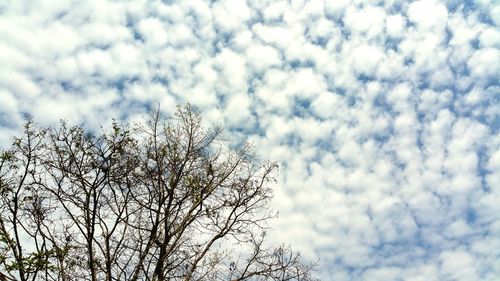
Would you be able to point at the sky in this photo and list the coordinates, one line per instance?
(383, 115)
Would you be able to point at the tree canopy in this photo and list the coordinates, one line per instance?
(166, 199)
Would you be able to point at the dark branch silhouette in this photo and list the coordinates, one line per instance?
(166, 200)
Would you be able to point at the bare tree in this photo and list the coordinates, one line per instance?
(165, 200)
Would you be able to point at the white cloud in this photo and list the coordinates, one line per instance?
(422, 273)
(391, 273)
(366, 59)
(232, 69)
(103, 34)
(458, 265)
(395, 25)
(304, 83)
(242, 40)
(95, 61)
(494, 161)
(271, 92)
(490, 38)
(485, 63)
(127, 58)
(368, 20)
(335, 9)
(237, 111)
(325, 104)
(324, 29)
(495, 14)
(428, 14)
(9, 104)
(275, 10)
(262, 57)
(153, 31)
(231, 15)
(20, 84)
(276, 35)
(432, 102)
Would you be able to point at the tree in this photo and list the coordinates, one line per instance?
(165, 200)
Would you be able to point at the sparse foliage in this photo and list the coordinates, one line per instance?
(165, 200)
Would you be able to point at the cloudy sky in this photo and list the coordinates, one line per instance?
(384, 116)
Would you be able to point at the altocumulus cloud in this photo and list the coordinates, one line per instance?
(383, 115)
